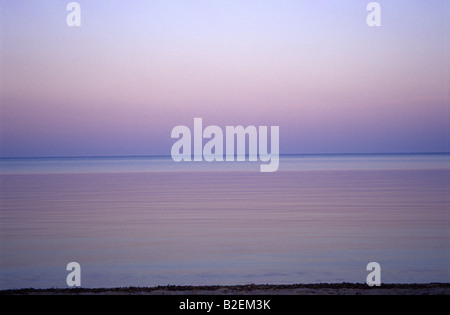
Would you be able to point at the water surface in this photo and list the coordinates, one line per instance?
(150, 221)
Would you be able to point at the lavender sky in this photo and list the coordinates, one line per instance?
(118, 84)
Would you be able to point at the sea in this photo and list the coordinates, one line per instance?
(149, 221)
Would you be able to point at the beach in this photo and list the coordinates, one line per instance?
(298, 289)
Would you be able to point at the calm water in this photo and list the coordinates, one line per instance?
(150, 221)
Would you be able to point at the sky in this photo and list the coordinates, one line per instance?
(118, 84)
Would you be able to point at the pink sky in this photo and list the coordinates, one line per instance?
(119, 84)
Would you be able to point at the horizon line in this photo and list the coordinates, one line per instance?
(247, 155)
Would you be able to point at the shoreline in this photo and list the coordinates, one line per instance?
(251, 289)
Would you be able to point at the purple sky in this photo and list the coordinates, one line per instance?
(118, 84)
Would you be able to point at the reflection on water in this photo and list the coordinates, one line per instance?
(236, 227)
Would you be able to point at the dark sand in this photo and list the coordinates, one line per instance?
(296, 289)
